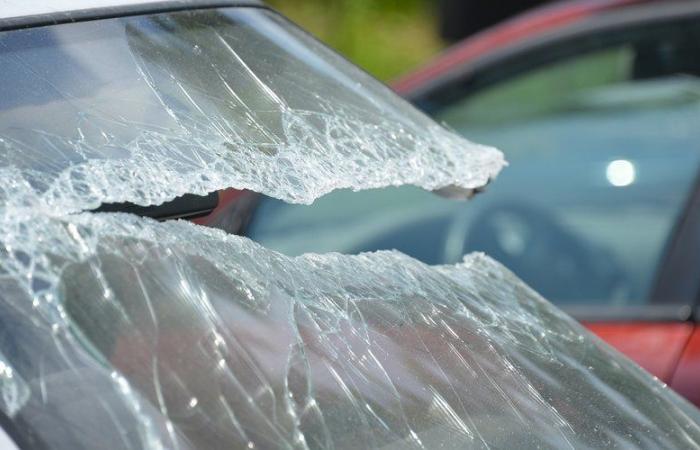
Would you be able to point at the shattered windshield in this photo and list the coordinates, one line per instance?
(119, 331)
(200, 101)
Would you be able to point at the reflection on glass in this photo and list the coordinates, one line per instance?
(620, 173)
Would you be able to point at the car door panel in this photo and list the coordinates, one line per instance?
(686, 378)
(657, 347)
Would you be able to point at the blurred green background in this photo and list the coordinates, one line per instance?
(385, 37)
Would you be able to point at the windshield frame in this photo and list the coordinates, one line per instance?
(146, 7)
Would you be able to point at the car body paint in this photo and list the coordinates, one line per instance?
(686, 378)
(656, 347)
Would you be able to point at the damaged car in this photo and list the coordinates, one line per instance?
(124, 326)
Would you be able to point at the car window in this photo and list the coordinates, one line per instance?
(548, 90)
(620, 144)
(603, 148)
(120, 331)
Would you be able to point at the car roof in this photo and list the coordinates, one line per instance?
(27, 13)
(531, 23)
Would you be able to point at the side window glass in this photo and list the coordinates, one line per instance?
(604, 150)
(549, 90)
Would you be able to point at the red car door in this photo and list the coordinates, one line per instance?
(656, 346)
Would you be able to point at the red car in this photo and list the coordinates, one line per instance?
(602, 100)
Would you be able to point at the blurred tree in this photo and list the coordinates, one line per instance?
(385, 37)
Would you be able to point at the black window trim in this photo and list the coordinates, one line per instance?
(551, 46)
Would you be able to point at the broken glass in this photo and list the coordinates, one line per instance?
(180, 335)
(145, 109)
(119, 331)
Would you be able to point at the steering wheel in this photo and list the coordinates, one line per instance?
(552, 259)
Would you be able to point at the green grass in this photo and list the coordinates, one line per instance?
(384, 37)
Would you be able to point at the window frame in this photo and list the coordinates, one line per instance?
(542, 49)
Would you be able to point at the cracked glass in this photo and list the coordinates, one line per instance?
(119, 331)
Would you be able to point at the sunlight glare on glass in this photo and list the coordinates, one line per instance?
(620, 173)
